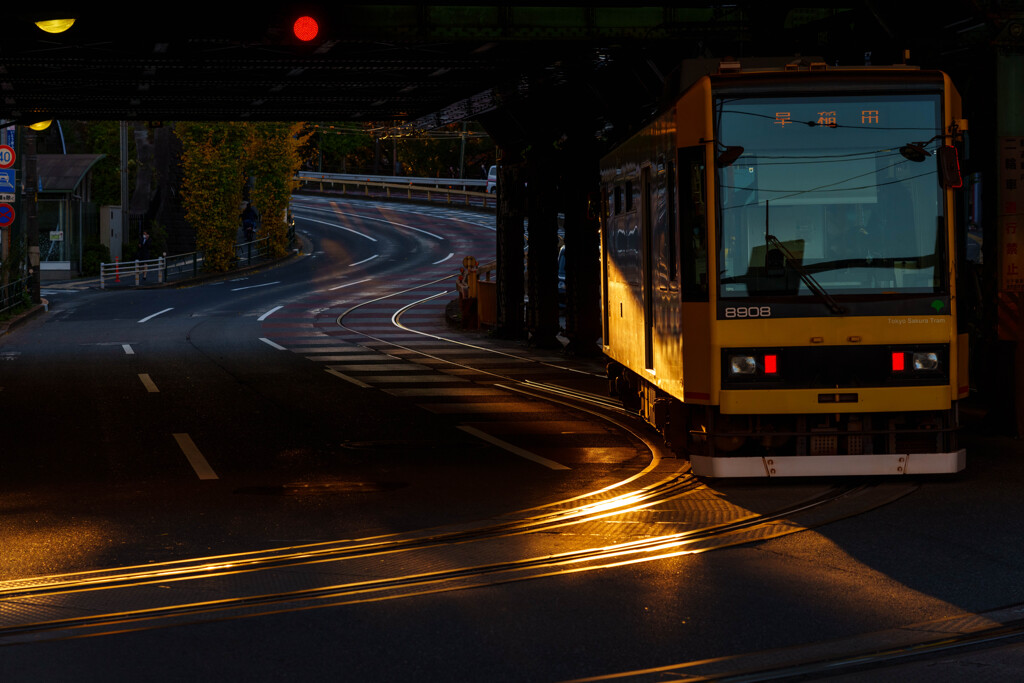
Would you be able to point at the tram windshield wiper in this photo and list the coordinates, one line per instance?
(794, 263)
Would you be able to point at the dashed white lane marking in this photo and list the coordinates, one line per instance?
(450, 254)
(150, 317)
(195, 457)
(272, 344)
(357, 263)
(128, 350)
(511, 448)
(353, 380)
(269, 313)
(148, 383)
(265, 284)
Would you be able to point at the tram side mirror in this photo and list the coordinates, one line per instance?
(949, 167)
(729, 156)
(914, 152)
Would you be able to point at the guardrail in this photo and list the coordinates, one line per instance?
(12, 295)
(177, 267)
(132, 271)
(446, 190)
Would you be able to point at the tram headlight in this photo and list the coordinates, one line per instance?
(742, 365)
(926, 361)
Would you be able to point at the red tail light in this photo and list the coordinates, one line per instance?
(897, 361)
(771, 364)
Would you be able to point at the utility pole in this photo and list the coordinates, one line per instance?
(462, 152)
(124, 182)
(31, 215)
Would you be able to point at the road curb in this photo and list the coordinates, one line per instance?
(8, 326)
(209, 277)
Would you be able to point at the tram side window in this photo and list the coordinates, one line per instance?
(618, 200)
(693, 223)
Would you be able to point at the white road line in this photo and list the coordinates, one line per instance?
(265, 284)
(340, 227)
(349, 284)
(150, 317)
(550, 464)
(384, 220)
(353, 380)
(270, 343)
(128, 350)
(366, 218)
(445, 258)
(195, 458)
(269, 313)
(358, 263)
(148, 383)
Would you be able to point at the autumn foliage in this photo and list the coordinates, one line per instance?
(217, 160)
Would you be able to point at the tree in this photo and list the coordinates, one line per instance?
(328, 146)
(97, 137)
(212, 180)
(272, 159)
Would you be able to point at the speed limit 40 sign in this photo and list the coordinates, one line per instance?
(6, 156)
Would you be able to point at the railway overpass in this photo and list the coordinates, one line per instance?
(554, 84)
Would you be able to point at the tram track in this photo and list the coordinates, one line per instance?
(154, 593)
(522, 545)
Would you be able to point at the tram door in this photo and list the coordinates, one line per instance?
(646, 210)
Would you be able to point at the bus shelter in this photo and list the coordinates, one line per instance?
(66, 214)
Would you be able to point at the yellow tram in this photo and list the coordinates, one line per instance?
(779, 272)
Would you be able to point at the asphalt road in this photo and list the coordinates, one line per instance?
(147, 427)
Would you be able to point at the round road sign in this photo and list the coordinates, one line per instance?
(6, 215)
(6, 156)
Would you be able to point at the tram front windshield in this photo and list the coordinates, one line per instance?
(820, 192)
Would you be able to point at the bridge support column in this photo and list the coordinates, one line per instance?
(582, 248)
(511, 214)
(542, 324)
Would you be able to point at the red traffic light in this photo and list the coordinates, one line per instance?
(305, 28)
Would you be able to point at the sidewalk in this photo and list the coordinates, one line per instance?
(20, 319)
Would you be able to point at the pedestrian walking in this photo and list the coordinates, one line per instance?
(249, 219)
(143, 253)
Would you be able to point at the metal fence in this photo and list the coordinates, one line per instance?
(13, 295)
(177, 267)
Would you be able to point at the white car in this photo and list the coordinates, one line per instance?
(492, 180)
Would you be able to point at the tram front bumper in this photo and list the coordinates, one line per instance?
(829, 465)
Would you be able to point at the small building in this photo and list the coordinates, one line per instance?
(66, 214)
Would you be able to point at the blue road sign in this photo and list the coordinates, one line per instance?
(7, 180)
